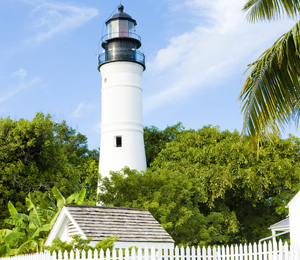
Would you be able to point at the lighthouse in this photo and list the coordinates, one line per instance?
(121, 66)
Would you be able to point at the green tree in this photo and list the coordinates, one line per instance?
(156, 139)
(270, 95)
(207, 186)
(41, 154)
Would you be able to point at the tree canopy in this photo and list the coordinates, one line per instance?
(156, 139)
(208, 187)
(40, 154)
(270, 94)
(205, 187)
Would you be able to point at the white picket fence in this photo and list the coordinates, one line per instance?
(265, 251)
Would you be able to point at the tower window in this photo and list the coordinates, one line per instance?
(118, 141)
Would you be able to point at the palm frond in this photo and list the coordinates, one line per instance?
(259, 10)
(16, 223)
(271, 91)
(33, 209)
(81, 197)
(72, 198)
(59, 197)
(12, 209)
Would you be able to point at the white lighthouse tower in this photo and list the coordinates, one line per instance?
(121, 66)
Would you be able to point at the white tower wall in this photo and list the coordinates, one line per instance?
(122, 117)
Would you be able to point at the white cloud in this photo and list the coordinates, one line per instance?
(21, 73)
(82, 109)
(97, 127)
(51, 18)
(77, 112)
(222, 44)
(22, 86)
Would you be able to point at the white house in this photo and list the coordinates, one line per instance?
(134, 227)
(289, 225)
(280, 228)
(294, 220)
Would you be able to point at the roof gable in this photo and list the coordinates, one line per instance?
(61, 227)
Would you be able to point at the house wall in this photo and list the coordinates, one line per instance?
(294, 212)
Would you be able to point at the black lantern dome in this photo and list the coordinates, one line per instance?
(121, 42)
(121, 15)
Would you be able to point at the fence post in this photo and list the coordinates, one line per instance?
(286, 252)
(66, 255)
(95, 254)
(204, 253)
(198, 255)
(140, 254)
(254, 251)
(209, 256)
(245, 252)
(108, 254)
(90, 255)
(265, 250)
(270, 250)
(176, 253)
(223, 253)
(250, 252)
(159, 253)
(231, 253)
(72, 255)
(227, 252)
(59, 257)
(146, 253)
(215, 253)
(193, 253)
(153, 253)
(236, 252)
(241, 252)
(182, 253)
(133, 254)
(187, 253)
(275, 249)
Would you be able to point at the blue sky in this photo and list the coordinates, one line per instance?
(196, 52)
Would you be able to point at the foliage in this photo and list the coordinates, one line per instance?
(40, 154)
(270, 95)
(28, 232)
(208, 187)
(78, 243)
(156, 140)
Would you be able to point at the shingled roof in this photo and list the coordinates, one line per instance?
(128, 224)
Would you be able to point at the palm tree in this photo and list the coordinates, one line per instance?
(271, 93)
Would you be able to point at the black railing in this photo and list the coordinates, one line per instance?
(110, 36)
(121, 55)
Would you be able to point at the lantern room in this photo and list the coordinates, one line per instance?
(120, 25)
(121, 42)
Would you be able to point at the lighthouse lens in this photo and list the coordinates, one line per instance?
(123, 28)
(131, 29)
